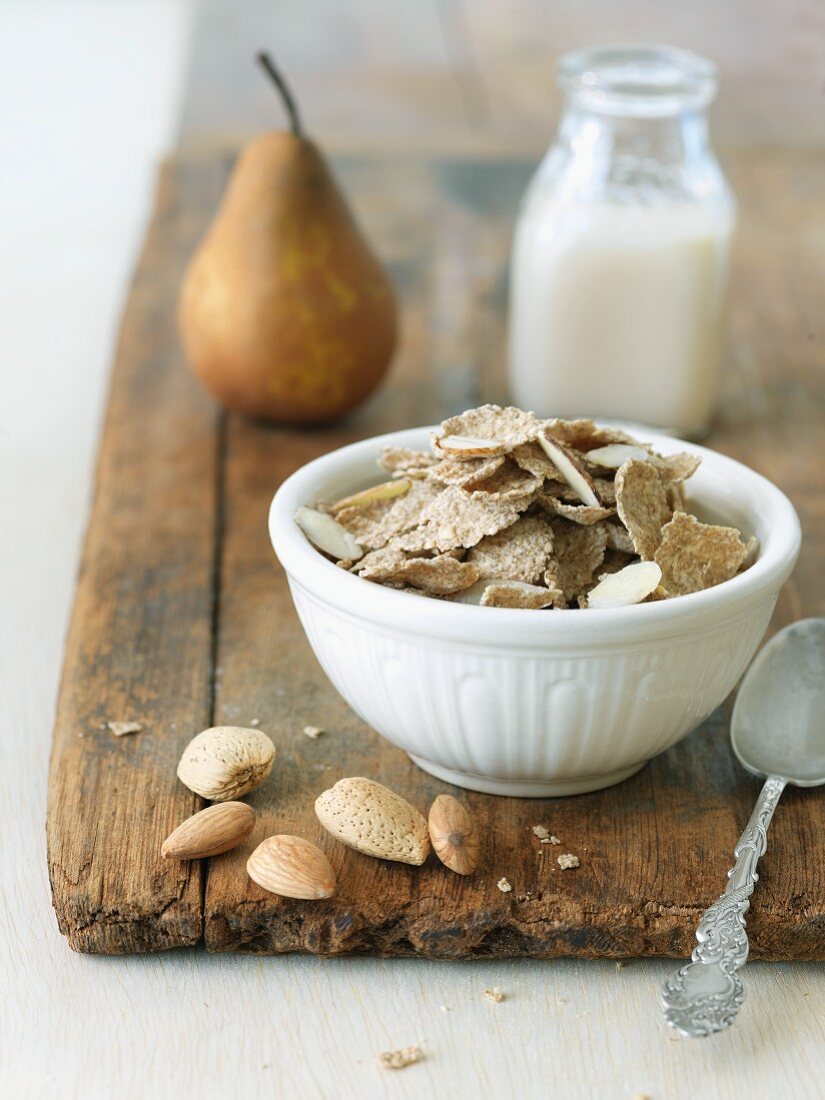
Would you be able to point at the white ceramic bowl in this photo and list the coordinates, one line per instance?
(534, 703)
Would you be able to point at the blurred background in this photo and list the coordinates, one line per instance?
(479, 73)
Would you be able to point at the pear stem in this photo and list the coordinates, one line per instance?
(268, 65)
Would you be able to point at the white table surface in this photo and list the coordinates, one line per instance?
(90, 93)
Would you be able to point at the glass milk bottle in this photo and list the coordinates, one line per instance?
(620, 259)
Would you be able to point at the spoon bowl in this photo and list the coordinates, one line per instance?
(778, 724)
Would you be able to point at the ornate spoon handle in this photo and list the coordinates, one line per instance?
(705, 994)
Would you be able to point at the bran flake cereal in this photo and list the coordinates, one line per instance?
(509, 510)
(520, 552)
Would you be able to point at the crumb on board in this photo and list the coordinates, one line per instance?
(121, 729)
(504, 885)
(567, 861)
(254, 721)
(541, 832)
(494, 994)
(398, 1059)
(312, 732)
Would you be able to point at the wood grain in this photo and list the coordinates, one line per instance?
(140, 642)
(654, 851)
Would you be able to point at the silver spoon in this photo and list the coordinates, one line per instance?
(777, 731)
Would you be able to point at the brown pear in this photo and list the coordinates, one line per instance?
(285, 313)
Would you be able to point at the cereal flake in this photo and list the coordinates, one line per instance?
(519, 553)
(584, 514)
(510, 481)
(456, 518)
(584, 435)
(578, 552)
(642, 505)
(438, 576)
(695, 555)
(509, 426)
(517, 594)
(395, 459)
(466, 472)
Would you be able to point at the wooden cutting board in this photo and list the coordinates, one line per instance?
(182, 618)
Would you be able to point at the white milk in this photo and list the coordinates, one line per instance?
(616, 311)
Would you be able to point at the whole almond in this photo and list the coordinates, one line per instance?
(225, 762)
(374, 820)
(454, 834)
(292, 867)
(214, 830)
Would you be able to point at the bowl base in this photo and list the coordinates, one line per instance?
(526, 788)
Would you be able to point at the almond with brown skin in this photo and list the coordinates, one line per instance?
(454, 834)
(216, 829)
(292, 867)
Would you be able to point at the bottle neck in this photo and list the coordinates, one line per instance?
(615, 152)
(672, 138)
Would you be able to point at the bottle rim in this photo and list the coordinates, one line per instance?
(638, 80)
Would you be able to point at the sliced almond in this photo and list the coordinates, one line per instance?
(570, 469)
(216, 829)
(454, 834)
(385, 491)
(328, 535)
(473, 594)
(614, 454)
(468, 447)
(292, 867)
(630, 585)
